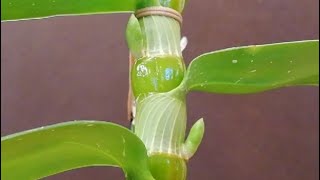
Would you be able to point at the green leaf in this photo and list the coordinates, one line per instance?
(26, 9)
(254, 69)
(52, 149)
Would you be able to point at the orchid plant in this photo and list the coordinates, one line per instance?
(156, 147)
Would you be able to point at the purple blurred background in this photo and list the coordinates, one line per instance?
(67, 68)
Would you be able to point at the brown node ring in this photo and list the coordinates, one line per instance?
(159, 10)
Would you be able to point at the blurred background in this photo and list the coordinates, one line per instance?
(66, 68)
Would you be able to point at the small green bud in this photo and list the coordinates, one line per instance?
(194, 139)
(134, 36)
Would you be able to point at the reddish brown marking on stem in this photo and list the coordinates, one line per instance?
(129, 102)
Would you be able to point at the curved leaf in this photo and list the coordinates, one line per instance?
(49, 150)
(27, 9)
(257, 68)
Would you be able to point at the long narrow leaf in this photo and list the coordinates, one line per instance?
(255, 68)
(27, 9)
(49, 150)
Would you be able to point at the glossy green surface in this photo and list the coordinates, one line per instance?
(255, 68)
(26, 9)
(31, 9)
(167, 167)
(49, 150)
(156, 74)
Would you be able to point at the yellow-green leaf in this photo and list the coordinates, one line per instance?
(27, 9)
(257, 68)
(52, 149)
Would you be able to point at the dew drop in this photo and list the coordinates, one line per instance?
(289, 71)
(234, 61)
(253, 70)
(251, 61)
(271, 62)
